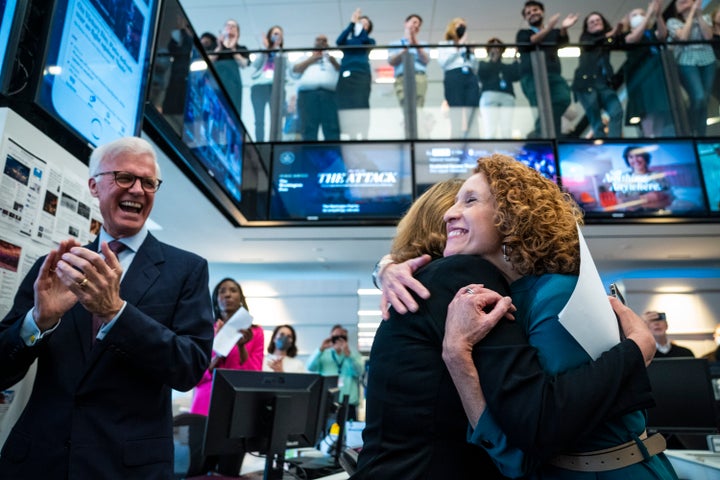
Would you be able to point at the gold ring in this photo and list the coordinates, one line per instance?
(83, 283)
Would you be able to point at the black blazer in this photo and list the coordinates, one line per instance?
(105, 411)
(415, 424)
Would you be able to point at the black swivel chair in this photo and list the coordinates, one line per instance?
(189, 431)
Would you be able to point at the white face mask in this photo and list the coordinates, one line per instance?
(636, 20)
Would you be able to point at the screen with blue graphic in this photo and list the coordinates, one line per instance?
(212, 130)
(364, 181)
(438, 161)
(709, 154)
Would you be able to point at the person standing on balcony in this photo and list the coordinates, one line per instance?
(547, 39)
(353, 87)
(696, 61)
(594, 77)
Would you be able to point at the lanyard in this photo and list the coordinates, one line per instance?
(338, 363)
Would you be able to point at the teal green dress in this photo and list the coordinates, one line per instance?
(539, 300)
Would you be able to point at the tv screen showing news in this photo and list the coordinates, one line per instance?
(7, 13)
(435, 162)
(633, 179)
(212, 130)
(96, 66)
(709, 154)
(364, 181)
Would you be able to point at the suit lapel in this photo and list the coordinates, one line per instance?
(143, 271)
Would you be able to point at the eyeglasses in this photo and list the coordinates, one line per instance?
(127, 180)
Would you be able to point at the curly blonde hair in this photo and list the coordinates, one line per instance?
(422, 228)
(537, 221)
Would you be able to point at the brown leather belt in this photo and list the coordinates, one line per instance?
(610, 458)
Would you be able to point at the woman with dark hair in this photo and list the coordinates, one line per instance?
(227, 298)
(262, 76)
(282, 351)
(593, 82)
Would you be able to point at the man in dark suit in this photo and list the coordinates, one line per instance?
(112, 334)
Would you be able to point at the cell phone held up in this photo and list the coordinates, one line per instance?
(615, 292)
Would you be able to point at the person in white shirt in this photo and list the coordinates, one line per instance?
(316, 102)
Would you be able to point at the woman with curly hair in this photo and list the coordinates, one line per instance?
(415, 423)
(528, 229)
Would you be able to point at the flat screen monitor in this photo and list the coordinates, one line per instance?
(709, 154)
(12, 13)
(438, 161)
(212, 130)
(683, 394)
(266, 412)
(633, 179)
(349, 181)
(95, 69)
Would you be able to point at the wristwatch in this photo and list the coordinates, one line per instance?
(385, 261)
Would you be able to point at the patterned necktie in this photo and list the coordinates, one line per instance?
(116, 246)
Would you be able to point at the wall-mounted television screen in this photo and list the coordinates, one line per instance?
(709, 154)
(95, 69)
(212, 130)
(438, 161)
(349, 181)
(12, 13)
(633, 179)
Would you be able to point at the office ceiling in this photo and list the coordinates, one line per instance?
(190, 221)
(302, 20)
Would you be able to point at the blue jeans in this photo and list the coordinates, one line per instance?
(559, 97)
(697, 82)
(602, 97)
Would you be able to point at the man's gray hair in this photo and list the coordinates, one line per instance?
(131, 145)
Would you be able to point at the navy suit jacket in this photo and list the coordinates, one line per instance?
(105, 411)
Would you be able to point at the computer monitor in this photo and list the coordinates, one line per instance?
(266, 412)
(684, 398)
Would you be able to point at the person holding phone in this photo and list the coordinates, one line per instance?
(657, 321)
(334, 357)
(263, 73)
(229, 58)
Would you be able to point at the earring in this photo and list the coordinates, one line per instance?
(505, 255)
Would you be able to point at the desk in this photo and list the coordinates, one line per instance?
(253, 466)
(695, 464)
